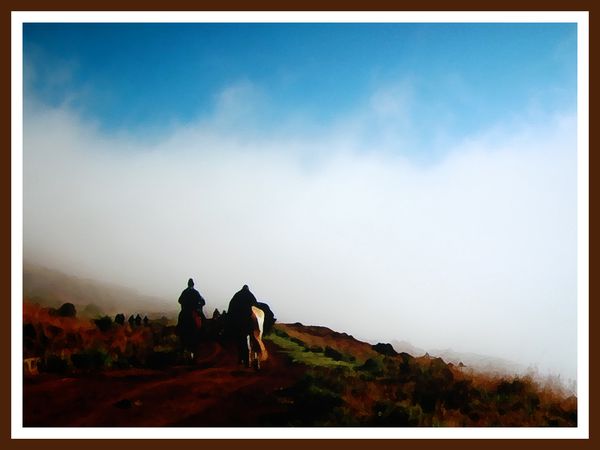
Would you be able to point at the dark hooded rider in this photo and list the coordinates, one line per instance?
(191, 307)
(190, 299)
(239, 320)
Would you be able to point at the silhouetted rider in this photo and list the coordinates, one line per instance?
(190, 299)
(239, 321)
(241, 302)
(191, 317)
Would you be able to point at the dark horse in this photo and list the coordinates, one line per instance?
(245, 326)
(189, 326)
(191, 317)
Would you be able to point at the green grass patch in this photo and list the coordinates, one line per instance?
(301, 354)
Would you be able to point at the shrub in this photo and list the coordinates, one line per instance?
(103, 323)
(460, 396)
(67, 310)
(508, 388)
(120, 319)
(314, 403)
(279, 332)
(297, 341)
(389, 414)
(55, 364)
(30, 341)
(372, 367)
(333, 354)
(90, 360)
(29, 331)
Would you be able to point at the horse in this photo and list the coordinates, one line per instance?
(244, 328)
(257, 352)
(189, 327)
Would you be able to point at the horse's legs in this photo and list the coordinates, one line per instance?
(255, 349)
(250, 350)
(242, 348)
(256, 361)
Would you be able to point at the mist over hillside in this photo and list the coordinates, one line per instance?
(477, 361)
(486, 364)
(49, 287)
(93, 298)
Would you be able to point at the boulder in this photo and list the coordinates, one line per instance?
(384, 349)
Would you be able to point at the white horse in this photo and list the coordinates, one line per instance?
(257, 352)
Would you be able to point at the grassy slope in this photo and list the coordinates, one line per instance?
(338, 381)
(358, 386)
(300, 354)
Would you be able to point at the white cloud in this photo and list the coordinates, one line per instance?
(476, 252)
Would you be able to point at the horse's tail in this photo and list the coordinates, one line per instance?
(263, 351)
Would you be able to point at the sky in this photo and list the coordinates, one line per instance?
(394, 181)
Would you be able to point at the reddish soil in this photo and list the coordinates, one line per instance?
(215, 391)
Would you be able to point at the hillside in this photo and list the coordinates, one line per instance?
(106, 374)
(480, 363)
(92, 298)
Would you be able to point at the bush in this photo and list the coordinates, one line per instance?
(373, 367)
(333, 354)
(279, 332)
(389, 414)
(435, 384)
(120, 319)
(29, 331)
(508, 388)
(90, 360)
(55, 364)
(295, 340)
(30, 341)
(104, 323)
(460, 396)
(67, 310)
(314, 403)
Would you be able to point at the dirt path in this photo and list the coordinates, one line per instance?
(216, 391)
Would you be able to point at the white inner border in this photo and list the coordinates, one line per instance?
(581, 431)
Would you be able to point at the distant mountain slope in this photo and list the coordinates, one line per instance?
(481, 363)
(49, 287)
(405, 346)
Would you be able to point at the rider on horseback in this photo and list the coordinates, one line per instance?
(239, 321)
(190, 299)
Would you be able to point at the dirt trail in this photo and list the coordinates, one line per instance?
(215, 391)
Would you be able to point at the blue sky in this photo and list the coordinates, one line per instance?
(457, 79)
(422, 174)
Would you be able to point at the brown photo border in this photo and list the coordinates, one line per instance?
(259, 5)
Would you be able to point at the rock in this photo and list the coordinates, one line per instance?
(384, 349)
